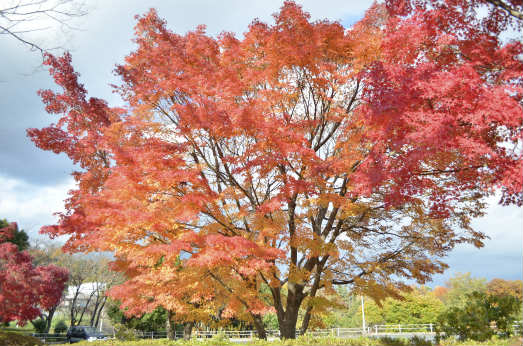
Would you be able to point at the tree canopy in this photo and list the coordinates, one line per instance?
(26, 290)
(251, 173)
(14, 235)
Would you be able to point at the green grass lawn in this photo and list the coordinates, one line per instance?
(28, 327)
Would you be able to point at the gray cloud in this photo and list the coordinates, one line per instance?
(21, 108)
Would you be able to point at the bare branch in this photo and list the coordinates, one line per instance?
(29, 14)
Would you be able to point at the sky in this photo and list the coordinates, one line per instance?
(34, 183)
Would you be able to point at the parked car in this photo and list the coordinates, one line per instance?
(82, 333)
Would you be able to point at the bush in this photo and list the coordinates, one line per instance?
(15, 339)
(60, 327)
(388, 341)
(39, 326)
(474, 320)
(495, 341)
(219, 339)
(124, 334)
(419, 341)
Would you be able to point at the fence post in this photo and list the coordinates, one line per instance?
(376, 329)
(399, 327)
(431, 327)
(338, 332)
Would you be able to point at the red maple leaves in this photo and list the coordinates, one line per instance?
(26, 290)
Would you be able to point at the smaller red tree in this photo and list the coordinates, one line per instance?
(26, 290)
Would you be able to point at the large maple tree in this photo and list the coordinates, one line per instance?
(26, 290)
(248, 175)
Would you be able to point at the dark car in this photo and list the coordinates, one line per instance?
(82, 333)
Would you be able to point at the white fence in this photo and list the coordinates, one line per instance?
(405, 328)
(50, 338)
(385, 329)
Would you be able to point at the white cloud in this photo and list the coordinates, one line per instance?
(32, 206)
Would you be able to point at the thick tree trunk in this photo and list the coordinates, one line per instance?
(288, 325)
(260, 328)
(288, 331)
(187, 330)
(287, 319)
(169, 326)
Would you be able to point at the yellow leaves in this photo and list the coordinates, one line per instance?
(325, 199)
(314, 245)
(351, 209)
(269, 226)
(378, 291)
(297, 275)
(319, 304)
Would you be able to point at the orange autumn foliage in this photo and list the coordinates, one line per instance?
(248, 175)
(441, 292)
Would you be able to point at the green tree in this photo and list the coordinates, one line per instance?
(374, 314)
(270, 321)
(460, 286)
(419, 306)
(60, 327)
(343, 316)
(19, 238)
(475, 319)
(40, 325)
(148, 322)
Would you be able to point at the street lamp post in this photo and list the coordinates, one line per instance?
(364, 329)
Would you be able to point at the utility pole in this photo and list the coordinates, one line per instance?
(364, 329)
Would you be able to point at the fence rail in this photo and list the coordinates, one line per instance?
(337, 332)
(50, 338)
(383, 329)
(405, 328)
